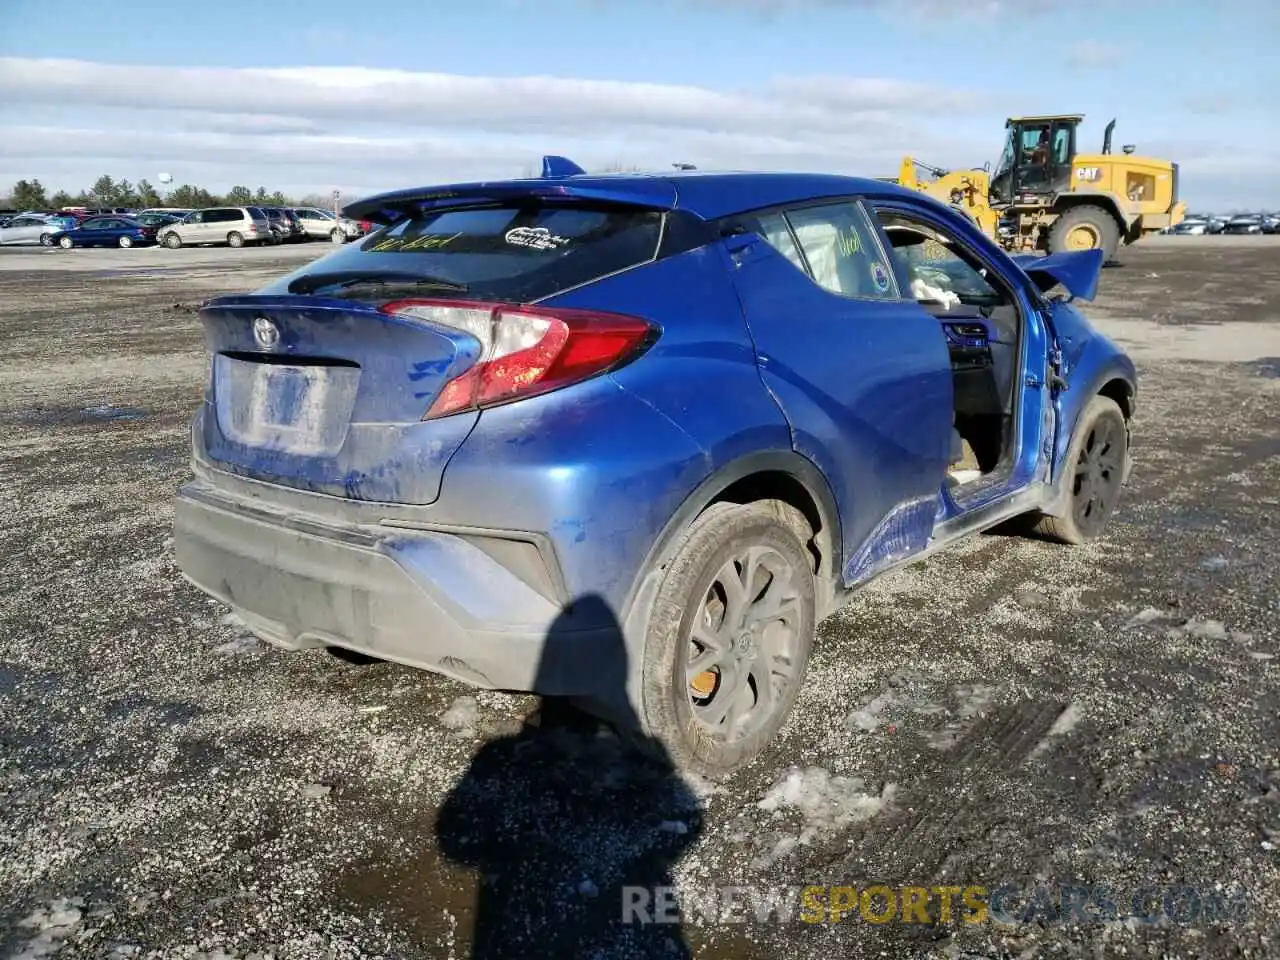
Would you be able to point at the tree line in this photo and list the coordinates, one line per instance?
(110, 192)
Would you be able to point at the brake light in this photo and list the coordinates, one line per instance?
(525, 351)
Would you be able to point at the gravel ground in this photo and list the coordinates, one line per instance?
(1010, 713)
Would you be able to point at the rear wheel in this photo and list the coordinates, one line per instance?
(1085, 228)
(235, 239)
(126, 242)
(1096, 462)
(66, 243)
(172, 241)
(46, 240)
(729, 636)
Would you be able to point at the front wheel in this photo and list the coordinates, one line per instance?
(235, 239)
(1085, 228)
(1096, 459)
(729, 636)
(66, 243)
(46, 240)
(172, 241)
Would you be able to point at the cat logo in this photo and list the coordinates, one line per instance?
(1088, 173)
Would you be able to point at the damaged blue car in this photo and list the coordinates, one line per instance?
(627, 439)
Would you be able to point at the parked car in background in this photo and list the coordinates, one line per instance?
(29, 228)
(285, 224)
(156, 219)
(108, 231)
(629, 440)
(322, 224)
(234, 226)
(1271, 223)
(1190, 227)
(1249, 223)
(175, 212)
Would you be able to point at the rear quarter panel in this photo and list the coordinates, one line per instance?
(602, 467)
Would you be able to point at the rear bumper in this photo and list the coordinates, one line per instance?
(427, 599)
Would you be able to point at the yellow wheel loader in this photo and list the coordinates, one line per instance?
(1044, 196)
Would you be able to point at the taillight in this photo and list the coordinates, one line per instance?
(527, 350)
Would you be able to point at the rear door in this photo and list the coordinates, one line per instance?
(863, 377)
(97, 231)
(25, 230)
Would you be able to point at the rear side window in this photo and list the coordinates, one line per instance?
(843, 252)
(512, 252)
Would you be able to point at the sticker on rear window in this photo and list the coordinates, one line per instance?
(880, 276)
(535, 238)
(427, 241)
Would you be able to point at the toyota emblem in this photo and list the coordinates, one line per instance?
(265, 332)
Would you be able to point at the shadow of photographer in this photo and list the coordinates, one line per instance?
(567, 824)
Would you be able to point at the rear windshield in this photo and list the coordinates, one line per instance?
(510, 252)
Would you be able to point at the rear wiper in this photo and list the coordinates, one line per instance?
(348, 282)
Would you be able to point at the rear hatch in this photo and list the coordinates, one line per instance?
(362, 373)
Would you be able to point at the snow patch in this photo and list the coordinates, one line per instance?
(1067, 721)
(462, 717)
(826, 804)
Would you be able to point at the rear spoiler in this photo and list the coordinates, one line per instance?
(561, 180)
(1077, 270)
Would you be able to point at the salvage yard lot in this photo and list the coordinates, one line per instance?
(1009, 713)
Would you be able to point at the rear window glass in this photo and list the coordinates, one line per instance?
(508, 252)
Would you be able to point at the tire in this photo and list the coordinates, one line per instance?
(1100, 449)
(66, 243)
(1091, 222)
(125, 243)
(235, 239)
(172, 241)
(46, 240)
(337, 236)
(681, 708)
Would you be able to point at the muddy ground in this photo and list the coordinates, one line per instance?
(1008, 714)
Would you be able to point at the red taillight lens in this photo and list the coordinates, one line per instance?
(527, 350)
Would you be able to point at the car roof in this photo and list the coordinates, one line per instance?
(709, 195)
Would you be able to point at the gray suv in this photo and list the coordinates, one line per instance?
(234, 226)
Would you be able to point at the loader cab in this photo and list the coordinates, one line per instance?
(1036, 163)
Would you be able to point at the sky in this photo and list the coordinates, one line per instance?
(311, 96)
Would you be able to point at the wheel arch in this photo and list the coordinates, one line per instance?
(1114, 383)
(766, 475)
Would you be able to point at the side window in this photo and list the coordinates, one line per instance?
(842, 251)
(773, 227)
(1062, 146)
(941, 270)
(197, 217)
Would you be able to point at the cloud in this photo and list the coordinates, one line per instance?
(363, 130)
(422, 99)
(1089, 54)
(389, 124)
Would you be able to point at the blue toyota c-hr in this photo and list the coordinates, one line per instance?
(628, 439)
